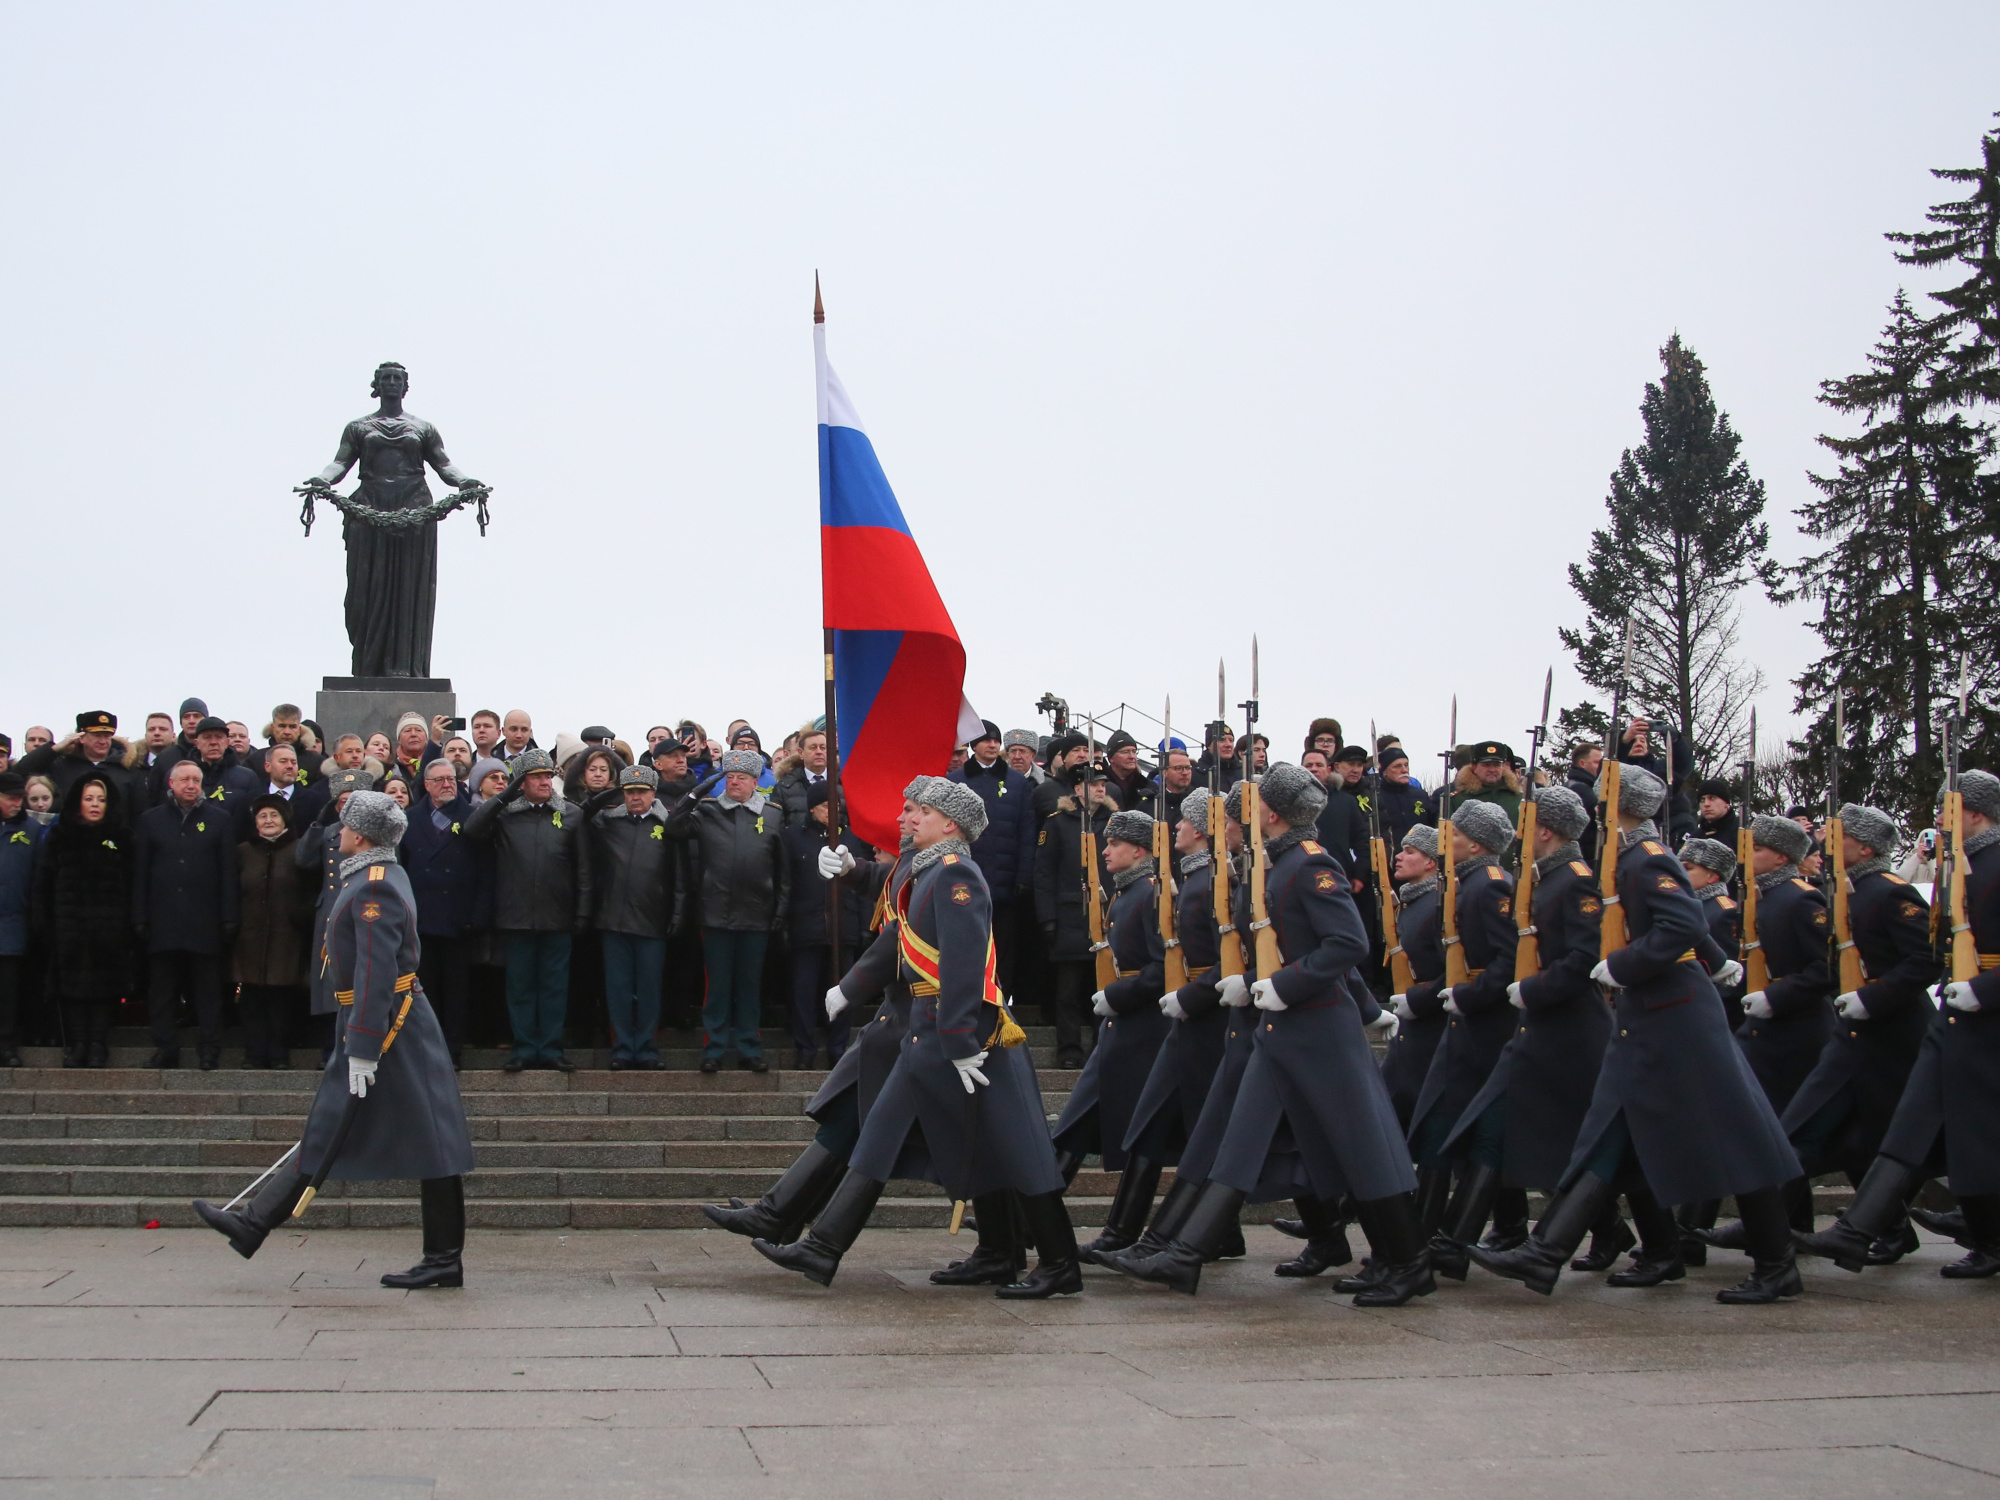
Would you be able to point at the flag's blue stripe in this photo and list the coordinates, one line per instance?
(853, 490)
(861, 660)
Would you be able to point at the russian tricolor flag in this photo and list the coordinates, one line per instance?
(898, 667)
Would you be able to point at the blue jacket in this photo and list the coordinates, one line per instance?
(20, 841)
(449, 873)
(1005, 852)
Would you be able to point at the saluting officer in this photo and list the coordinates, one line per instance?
(961, 1107)
(1676, 1110)
(1420, 1009)
(390, 1056)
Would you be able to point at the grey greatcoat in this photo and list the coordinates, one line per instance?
(1107, 1092)
(1699, 1121)
(1184, 1067)
(1407, 1063)
(1313, 1115)
(924, 1124)
(864, 1067)
(412, 1124)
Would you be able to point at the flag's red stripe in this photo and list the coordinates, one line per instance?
(873, 578)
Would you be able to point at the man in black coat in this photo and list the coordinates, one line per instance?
(1066, 755)
(635, 902)
(94, 747)
(1062, 905)
(1586, 760)
(807, 929)
(1404, 804)
(451, 880)
(186, 901)
(223, 778)
(1005, 852)
(1715, 809)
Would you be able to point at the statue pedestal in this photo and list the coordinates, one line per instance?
(371, 705)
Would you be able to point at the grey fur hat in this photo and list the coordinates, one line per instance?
(1781, 834)
(349, 781)
(743, 762)
(1640, 792)
(1561, 811)
(1194, 809)
(1424, 839)
(644, 776)
(1870, 826)
(1486, 825)
(1232, 803)
(1981, 791)
(529, 760)
(915, 790)
(956, 801)
(1291, 792)
(1132, 827)
(376, 817)
(1710, 854)
(1015, 737)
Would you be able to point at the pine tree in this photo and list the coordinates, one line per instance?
(1906, 586)
(1968, 235)
(1686, 536)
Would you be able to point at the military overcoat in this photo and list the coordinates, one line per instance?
(1101, 1106)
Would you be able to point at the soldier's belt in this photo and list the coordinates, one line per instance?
(1195, 975)
(1474, 973)
(404, 983)
(1127, 973)
(1989, 961)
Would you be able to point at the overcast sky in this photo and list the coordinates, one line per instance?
(1170, 324)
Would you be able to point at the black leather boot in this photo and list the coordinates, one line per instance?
(1069, 1163)
(1326, 1241)
(1400, 1266)
(1948, 1222)
(1538, 1262)
(1510, 1220)
(1895, 1242)
(791, 1203)
(444, 1238)
(1167, 1221)
(998, 1258)
(1130, 1207)
(1609, 1239)
(1463, 1221)
(1294, 1228)
(246, 1229)
(1659, 1257)
(1767, 1235)
(1982, 1238)
(1693, 1217)
(1058, 1272)
(816, 1255)
(1878, 1202)
(1433, 1198)
(1208, 1222)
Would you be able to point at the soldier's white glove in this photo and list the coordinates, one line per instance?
(1170, 1005)
(1958, 995)
(968, 1070)
(1514, 996)
(1451, 1004)
(1850, 1006)
(360, 1074)
(1756, 1006)
(835, 862)
(1264, 995)
(1602, 974)
(1400, 1005)
(1384, 1026)
(1233, 991)
(1099, 1006)
(1730, 974)
(836, 1002)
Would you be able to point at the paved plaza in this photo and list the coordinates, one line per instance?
(627, 1363)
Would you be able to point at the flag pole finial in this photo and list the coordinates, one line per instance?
(819, 307)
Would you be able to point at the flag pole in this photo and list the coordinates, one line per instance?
(833, 807)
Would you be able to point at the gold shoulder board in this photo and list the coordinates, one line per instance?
(951, 859)
(376, 872)
(1580, 867)
(1650, 847)
(1310, 847)
(1494, 872)
(1727, 903)
(1802, 883)
(1894, 879)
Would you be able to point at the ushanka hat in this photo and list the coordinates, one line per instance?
(1133, 827)
(1485, 824)
(644, 776)
(1710, 854)
(1424, 839)
(956, 801)
(1782, 835)
(1019, 737)
(528, 762)
(1981, 791)
(740, 762)
(376, 817)
(1195, 809)
(1293, 794)
(1561, 811)
(1870, 826)
(1640, 792)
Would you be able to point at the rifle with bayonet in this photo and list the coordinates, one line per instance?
(1264, 940)
(1613, 934)
(1846, 958)
(1750, 951)
(1456, 970)
(1393, 955)
(1163, 862)
(1228, 946)
(1100, 949)
(1527, 947)
(1960, 955)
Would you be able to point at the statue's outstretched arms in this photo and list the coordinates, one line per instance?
(434, 452)
(343, 459)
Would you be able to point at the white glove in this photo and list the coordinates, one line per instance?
(1264, 995)
(1958, 995)
(1602, 974)
(1233, 991)
(1850, 1006)
(359, 1075)
(835, 862)
(1099, 1006)
(1404, 1011)
(1383, 1026)
(1756, 1006)
(968, 1070)
(1731, 973)
(1514, 996)
(836, 1002)
(1451, 1005)
(1170, 1005)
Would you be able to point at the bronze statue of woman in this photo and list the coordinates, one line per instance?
(391, 567)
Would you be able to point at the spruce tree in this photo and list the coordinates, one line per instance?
(1686, 535)
(1968, 236)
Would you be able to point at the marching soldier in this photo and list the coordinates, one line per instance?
(1184, 1066)
(1312, 1118)
(1710, 865)
(1420, 930)
(1482, 1022)
(390, 1063)
(961, 1107)
(1519, 1129)
(1675, 1109)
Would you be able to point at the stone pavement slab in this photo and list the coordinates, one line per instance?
(137, 1364)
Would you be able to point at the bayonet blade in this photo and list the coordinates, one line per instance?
(1964, 683)
(1548, 687)
(1221, 690)
(1253, 666)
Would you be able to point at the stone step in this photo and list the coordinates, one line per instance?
(762, 1156)
(795, 1127)
(31, 1081)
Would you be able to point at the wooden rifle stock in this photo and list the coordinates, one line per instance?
(1228, 942)
(1962, 956)
(1613, 935)
(1527, 947)
(1400, 977)
(1846, 957)
(1456, 970)
(1756, 968)
(1265, 941)
(1163, 855)
(1100, 950)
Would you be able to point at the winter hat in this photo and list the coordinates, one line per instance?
(1870, 826)
(1195, 809)
(1981, 791)
(1322, 726)
(817, 793)
(644, 776)
(1232, 802)
(1292, 793)
(272, 800)
(1132, 827)
(530, 760)
(596, 734)
(745, 732)
(350, 781)
(1486, 825)
(914, 792)
(988, 730)
(1716, 787)
(1561, 811)
(745, 762)
(482, 768)
(1710, 854)
(1640, 792)
(1356, 755)
(1393, 754)
(376, 817)
(1120, 740)
(1062, 744)
(211, 725)
(1015, 737)
(1424, 839)
(407, 720)
(1782, 835)
(12, 783)
(956, 801)
(193, 706)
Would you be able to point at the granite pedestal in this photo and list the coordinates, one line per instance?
(367, 705)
